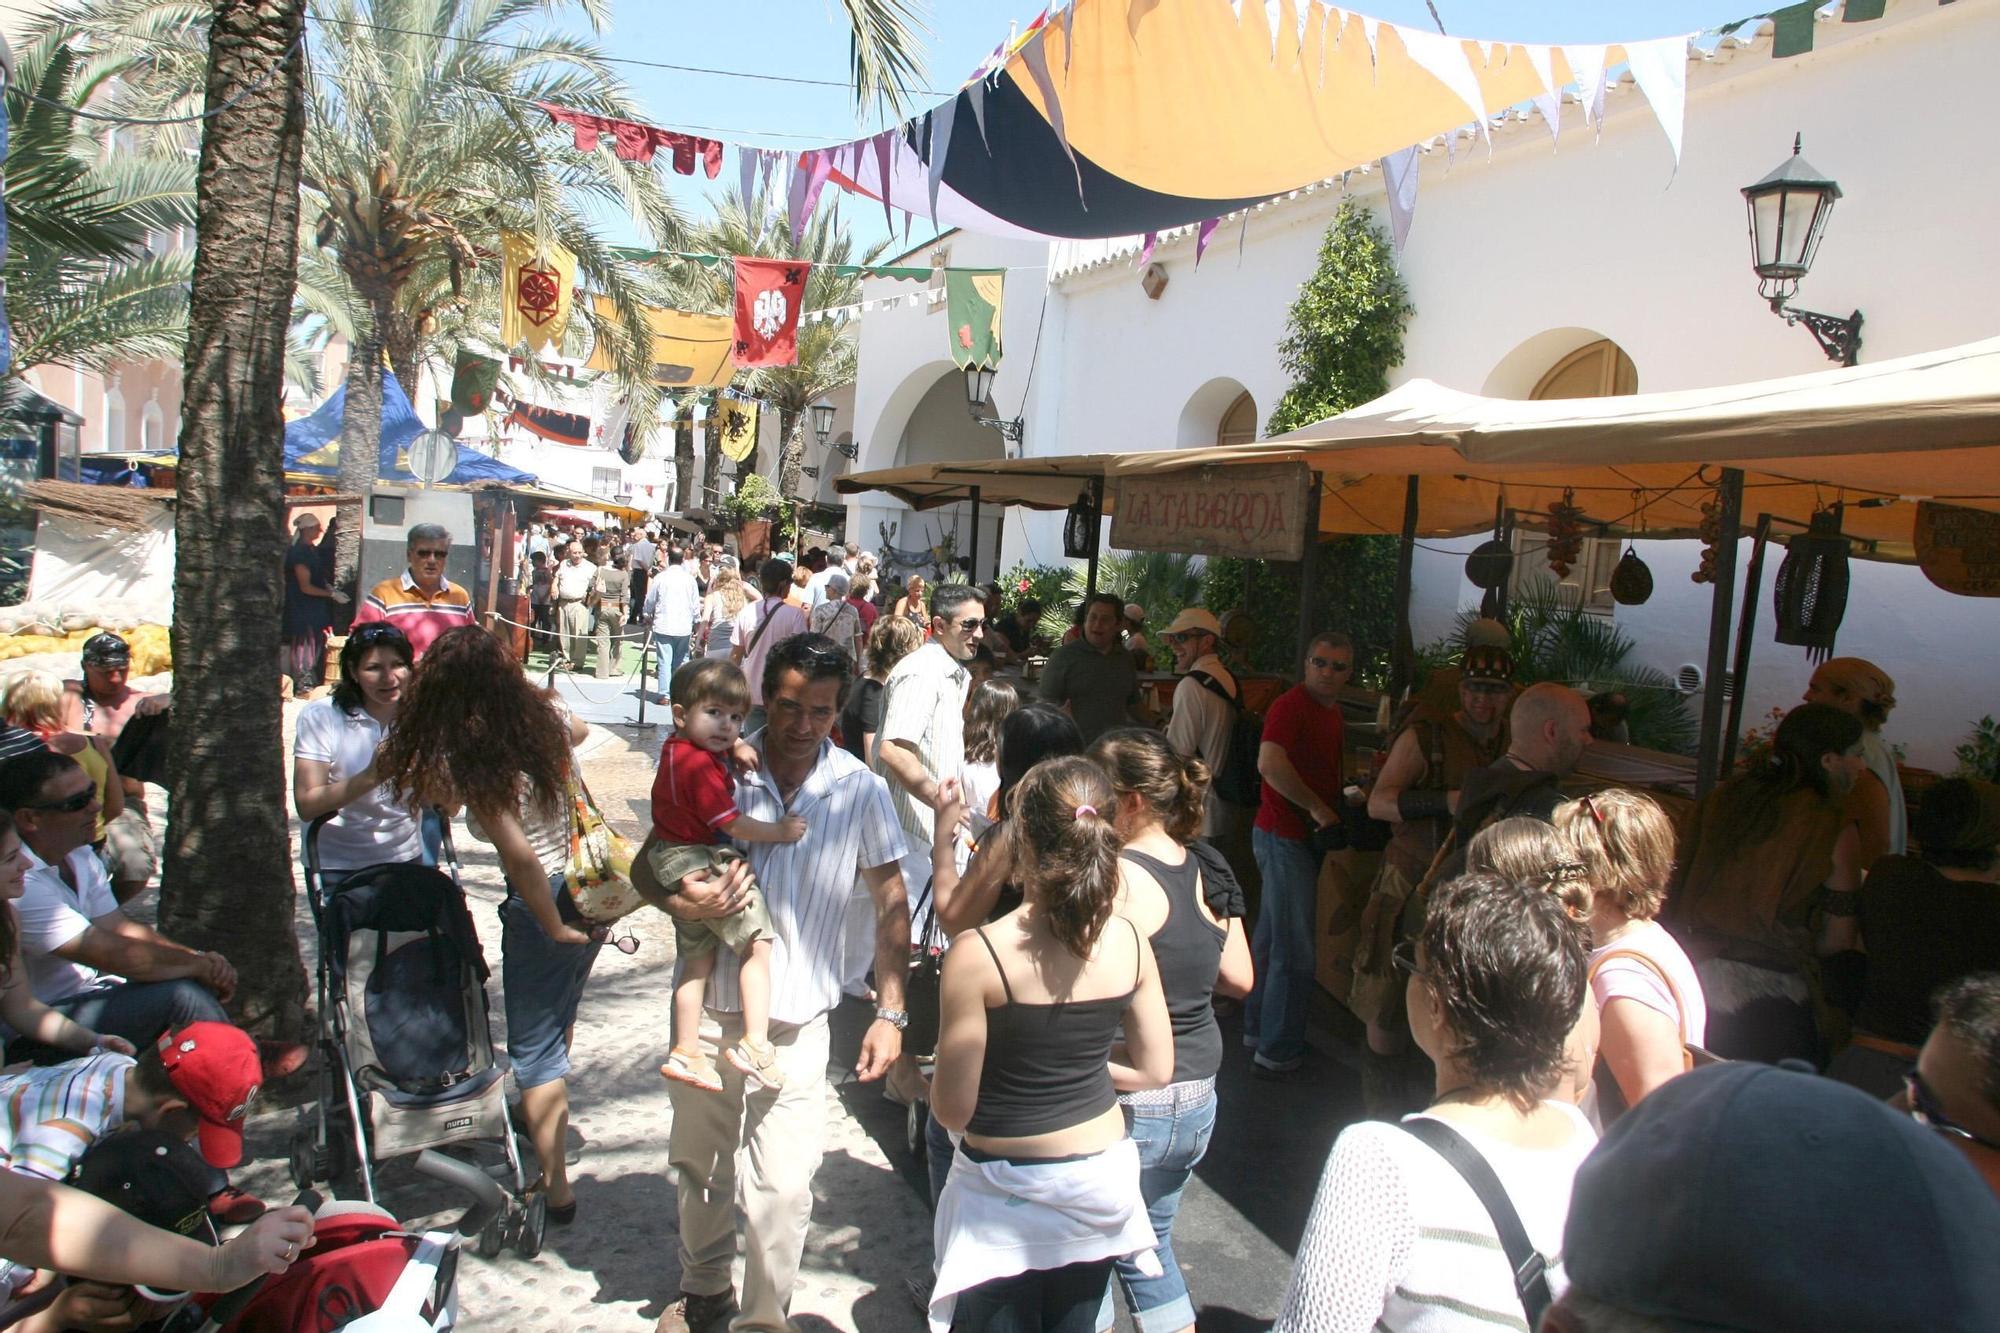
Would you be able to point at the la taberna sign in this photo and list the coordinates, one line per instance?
(1256, 512)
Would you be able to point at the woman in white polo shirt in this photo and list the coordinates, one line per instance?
(333, 758)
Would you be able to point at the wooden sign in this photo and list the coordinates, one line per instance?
(1959, 549)
(1256, 512)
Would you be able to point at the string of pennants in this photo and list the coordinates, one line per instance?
(1000, 156)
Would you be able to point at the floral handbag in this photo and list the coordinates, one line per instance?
(598, 875)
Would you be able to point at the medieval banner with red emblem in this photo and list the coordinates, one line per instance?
(535, 292)
(769, 293)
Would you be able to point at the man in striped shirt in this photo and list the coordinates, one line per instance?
(851, 830)
(196, 1083)
(422, 602)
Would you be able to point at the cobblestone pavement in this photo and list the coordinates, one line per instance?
(616, 1268)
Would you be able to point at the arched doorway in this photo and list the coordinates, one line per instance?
(941, 429)
(1239, 423)
(1598, 369)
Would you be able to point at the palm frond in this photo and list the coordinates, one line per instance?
(885, 55)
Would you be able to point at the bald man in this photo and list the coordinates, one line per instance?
(1548, 731)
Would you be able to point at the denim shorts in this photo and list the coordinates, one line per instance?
(541, 982)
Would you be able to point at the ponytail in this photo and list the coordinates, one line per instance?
(1067, 858)
(1141, 763)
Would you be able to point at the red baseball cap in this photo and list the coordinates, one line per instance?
(215, 1067)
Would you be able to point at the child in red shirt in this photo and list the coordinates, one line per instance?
(694, 807)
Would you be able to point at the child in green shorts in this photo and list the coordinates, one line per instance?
(694, 809)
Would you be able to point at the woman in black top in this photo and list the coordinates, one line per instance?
(1180, 895)
(1925, 920)
(1044, 1190)
(890, 642)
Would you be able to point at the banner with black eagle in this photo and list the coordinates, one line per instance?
(769, 294)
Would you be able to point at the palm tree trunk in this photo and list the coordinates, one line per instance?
(684, 493)
(792, 450)
(227, 882)
(360, 439)
(711, 483)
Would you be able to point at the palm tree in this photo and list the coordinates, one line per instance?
(81, 288)
(423, 147)
(828, 355)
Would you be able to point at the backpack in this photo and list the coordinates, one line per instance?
(1237, 780)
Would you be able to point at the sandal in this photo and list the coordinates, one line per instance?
(559, 1215)
(757, 1062)
(692, 1068)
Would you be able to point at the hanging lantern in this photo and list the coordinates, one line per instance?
(1080, 528)
(1811, 593)
(1632, 581)
(1490, 563)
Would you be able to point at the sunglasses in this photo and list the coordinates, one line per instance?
(1926, 1110)
(377, 631)
(431, 553)
(1328, 664)
(68, 805)
(628, 943)
(970, 625)
(1404, 958)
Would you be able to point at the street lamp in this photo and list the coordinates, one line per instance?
(978, 393)
(1788, 211)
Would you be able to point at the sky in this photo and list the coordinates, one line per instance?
(799, 51)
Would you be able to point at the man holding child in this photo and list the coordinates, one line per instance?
(850, 828)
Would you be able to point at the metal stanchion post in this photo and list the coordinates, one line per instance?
(645, 650)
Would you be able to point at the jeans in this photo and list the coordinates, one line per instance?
(541, 983)
(1171, 1141)
(1041, 1300)
(139, 1011)
(672, 650)
(938, 1150)
(1282, 948)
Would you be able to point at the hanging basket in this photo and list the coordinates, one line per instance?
(1811, 593)
(1632, 581)
(1080, 527)
(1490, 563)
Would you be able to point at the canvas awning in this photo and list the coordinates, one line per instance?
(1875, 437)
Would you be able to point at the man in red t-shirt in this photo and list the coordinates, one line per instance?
(1300, 762)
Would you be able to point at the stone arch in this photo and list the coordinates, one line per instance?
(1222, 402)
(152, 428)
(1563, 363)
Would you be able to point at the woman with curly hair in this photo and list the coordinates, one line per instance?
(1397, 1238)
(471, 730)
(988, 705)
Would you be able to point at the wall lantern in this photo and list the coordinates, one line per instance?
(1788, 211)
(1080, 527)
(978, 393)
(822, 419)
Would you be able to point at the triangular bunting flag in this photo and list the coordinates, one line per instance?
(1550, 105)
(1399, 174)
(1037, 59)
(1542, 60)
(1152, 238)
(941, 120)
(1445, 60)
(975, 94)
(1587, 64)
(1202, 235)
(1660, 68)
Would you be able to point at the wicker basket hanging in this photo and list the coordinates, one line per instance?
(1631, 581)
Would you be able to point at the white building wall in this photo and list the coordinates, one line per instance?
(1514, 261)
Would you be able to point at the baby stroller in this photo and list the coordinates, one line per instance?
(406, 1049)
(364, 1272)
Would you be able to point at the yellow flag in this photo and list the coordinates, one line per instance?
(535, 292)
(735, 424)
(690, 351)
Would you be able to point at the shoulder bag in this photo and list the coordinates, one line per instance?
(1610, 1098)
(598, 874)
(1531, 1268)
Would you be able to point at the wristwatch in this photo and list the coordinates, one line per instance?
(895, 1018)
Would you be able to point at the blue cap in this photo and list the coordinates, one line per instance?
(1741, 1196)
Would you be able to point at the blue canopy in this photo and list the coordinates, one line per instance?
(312, 444)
